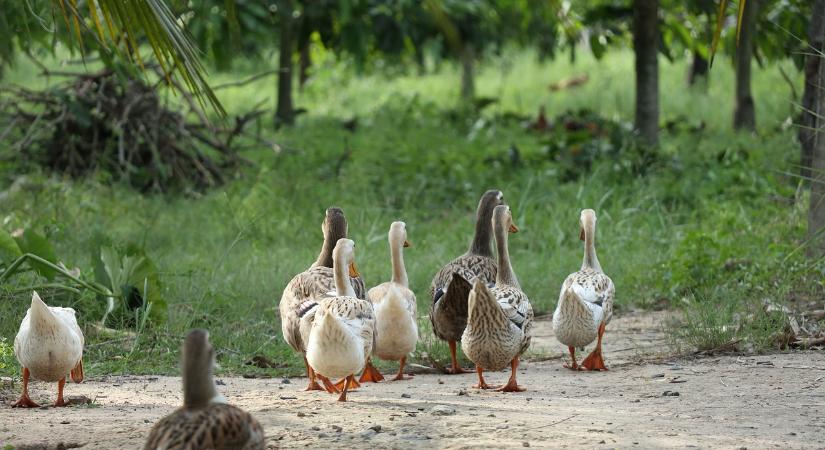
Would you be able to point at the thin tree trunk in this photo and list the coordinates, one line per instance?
(813, 60)
(698, 70)
(645, 46)
(816, 213)
(284, 113)
(468, 88)
(305, 64)
(744, 115)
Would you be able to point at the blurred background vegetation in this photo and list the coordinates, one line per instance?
(166, 164)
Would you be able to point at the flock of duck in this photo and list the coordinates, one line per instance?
(329, 316)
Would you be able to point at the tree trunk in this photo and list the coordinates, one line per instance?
(284, 112)
(305, 64)
(698, 70)
(645, 46)
(744, 115)
(468, 88)
(816, 213)
(814, 59)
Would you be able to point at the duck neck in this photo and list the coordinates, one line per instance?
(198, 385)
(399, 272)
(505, 274)
(337, 229)
(590, 261)
(481, 239)
(343, 286)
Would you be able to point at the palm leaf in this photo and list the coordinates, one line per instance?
(720, 20)
(126, 22)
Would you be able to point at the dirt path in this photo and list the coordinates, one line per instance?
(771, 401)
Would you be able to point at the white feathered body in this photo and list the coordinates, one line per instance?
(585, 302)
(341, 336)
(50, 342)
(396, 329)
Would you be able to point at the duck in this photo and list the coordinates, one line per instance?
(48, 346)
(500, 318)
(450, 288)
(205, 420)
(395, 306)
(342, 335)
(300, 296)
(585, 304)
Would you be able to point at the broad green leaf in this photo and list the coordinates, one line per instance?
(9, 250)
(596, 46)
(128, 273)
(37, 244)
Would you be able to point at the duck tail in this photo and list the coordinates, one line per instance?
(40, 312)
(457, 294)
(481, 302)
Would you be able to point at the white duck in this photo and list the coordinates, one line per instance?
(585, 304)
(341, 337)
(48, 346)
(205, 420)
(395, 307)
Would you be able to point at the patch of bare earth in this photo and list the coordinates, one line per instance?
(647, 400)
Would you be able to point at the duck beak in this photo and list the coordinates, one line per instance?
(353, 271)
(407, 243)
(513, 228)
(581, 234)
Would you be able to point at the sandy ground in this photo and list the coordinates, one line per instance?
(647, 400)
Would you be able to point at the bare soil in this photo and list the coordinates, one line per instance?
(649, 399)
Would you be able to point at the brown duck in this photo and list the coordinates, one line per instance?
(451, 286)
(205, 420)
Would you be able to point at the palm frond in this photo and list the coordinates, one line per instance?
(117, 23)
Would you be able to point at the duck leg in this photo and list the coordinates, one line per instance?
(400, 376)
(330, 387)
(511, 385)
(25, 401)
(594, 360)
(60, 401)
(370, 374)
(575, 365)
(456, 368)
(349, 379)
(77, 372)
(481, 383)
(354, 384)
(313, 383)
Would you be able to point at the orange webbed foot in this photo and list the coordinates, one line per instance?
(402, 377)
(371, 374)
(25, 402)
(330, 387)
(314, 386)
(511, 386)
(593, 361)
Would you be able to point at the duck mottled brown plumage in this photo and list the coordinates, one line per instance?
(450, 288)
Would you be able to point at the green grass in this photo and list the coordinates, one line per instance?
(225, 256)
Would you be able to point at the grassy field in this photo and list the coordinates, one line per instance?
(709, 223)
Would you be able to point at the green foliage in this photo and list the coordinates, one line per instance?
(9, 250)
(132, 275)
(114, 29)
(35, 243)
(6, 354)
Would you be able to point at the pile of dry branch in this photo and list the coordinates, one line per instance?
(106, 122)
